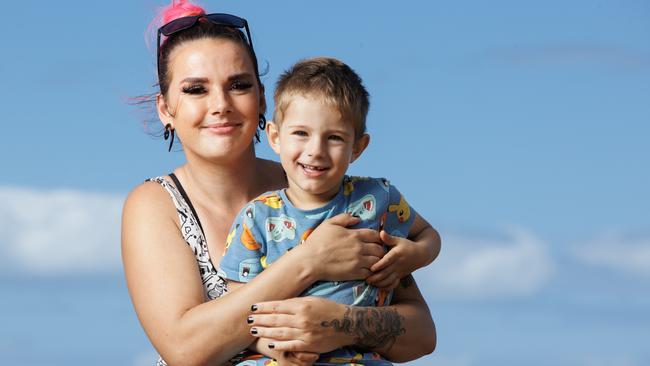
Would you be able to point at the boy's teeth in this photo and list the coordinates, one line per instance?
(311, 167)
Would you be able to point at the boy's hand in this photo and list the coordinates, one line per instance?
(297, 358)
(283, 358)
(404, 257)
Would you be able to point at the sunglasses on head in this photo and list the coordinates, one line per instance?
(184, 23)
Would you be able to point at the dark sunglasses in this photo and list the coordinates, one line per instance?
(184, 23)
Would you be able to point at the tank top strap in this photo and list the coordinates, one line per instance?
(214, 286)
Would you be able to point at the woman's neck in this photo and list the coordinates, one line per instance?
(222, 185)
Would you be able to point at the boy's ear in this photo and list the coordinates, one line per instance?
(163, 111)
(273, 136)
(359, 145)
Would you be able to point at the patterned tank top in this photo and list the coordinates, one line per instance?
(192, 231)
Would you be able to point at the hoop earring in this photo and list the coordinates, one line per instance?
(169, 129)
(261, 124)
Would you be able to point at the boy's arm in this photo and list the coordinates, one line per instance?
(406, 255)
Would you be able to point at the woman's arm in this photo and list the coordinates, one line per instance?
(168, 296)
(400, 332)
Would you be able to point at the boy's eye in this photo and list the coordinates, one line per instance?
(336, 138)
(194, 89)
(299, 133)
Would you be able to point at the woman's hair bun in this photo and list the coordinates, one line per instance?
(179, 9)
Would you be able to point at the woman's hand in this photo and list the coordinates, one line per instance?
(297, 324)
(340, 254)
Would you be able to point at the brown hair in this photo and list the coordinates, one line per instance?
(330, 79)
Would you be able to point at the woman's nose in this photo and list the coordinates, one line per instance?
(220, 103)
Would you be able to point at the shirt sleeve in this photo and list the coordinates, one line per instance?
(400, 215)
(245, 247)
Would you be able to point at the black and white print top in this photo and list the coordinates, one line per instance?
(213, 285)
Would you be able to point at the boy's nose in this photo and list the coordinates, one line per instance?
(315, 147)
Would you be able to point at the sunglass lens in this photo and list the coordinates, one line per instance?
(226, 19)
(177, 25)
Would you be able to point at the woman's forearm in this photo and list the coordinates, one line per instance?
(400, 332)
(202, 328)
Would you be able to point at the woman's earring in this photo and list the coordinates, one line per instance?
(262, 125)
(169, 129)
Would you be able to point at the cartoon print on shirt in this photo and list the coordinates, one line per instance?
(385, 184)
(402, 210)
(229, 238)
(272, 200)
(348, 184)
(250, 267)
(306, 234)
(247, 239)
(280, 228)
(249, 211)
(365, 208)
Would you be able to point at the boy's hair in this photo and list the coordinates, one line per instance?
(330, 79)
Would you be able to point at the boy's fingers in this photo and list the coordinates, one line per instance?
(386, 261)
(376, 277)
(304, 356)
(387, 282)
(388, 239)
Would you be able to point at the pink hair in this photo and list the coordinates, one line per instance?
(177, 9)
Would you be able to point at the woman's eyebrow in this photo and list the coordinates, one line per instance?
(195, 80)
(242, 75)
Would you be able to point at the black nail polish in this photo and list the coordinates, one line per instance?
(249, 320)
(253, 330)
(271, 345)
(253, 307)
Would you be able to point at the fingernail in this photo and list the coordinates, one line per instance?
(253, 307)
(249, 320)
(253, 330)
(271, 345)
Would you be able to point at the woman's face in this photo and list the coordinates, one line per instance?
(214, 100)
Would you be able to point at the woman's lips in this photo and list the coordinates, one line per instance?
(224, 128)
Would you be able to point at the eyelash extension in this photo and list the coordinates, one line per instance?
(193, 89)
(241, 85)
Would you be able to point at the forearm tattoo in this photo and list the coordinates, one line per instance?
(373, 328)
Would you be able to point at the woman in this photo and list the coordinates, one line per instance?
(211, 97)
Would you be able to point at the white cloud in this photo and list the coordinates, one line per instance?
(473, 267)
(617, 252)
(59, 231)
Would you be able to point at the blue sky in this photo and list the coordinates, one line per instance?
(519, 129)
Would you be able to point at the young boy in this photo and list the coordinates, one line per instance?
(318, 130)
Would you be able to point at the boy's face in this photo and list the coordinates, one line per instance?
(315, 146)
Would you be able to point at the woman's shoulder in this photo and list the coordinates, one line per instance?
(149, 199)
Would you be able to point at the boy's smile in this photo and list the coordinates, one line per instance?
(316, 146)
